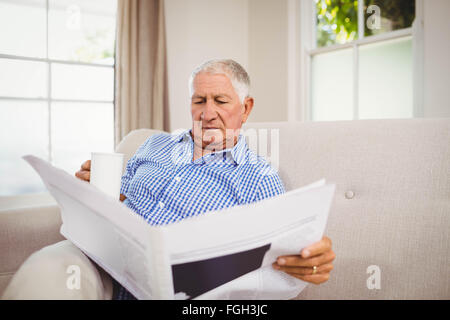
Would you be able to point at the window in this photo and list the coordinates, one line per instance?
(56, 86)
(360, 59)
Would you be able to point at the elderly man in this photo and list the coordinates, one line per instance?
(210, 167)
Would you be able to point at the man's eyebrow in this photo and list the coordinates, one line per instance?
(222, 95)
(198, 96)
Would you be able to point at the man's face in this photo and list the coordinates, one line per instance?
(217, 113)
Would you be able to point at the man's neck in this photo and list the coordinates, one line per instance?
(199, 151)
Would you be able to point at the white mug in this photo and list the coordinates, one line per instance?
(106, 172)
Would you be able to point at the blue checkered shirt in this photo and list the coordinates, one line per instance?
(164, 185)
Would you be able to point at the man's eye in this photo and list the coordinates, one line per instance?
(220, 102)
(198, 102)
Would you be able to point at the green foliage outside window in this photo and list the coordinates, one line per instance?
(337, 20)
(395, 14)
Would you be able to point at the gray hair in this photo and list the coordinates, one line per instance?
(236, 73)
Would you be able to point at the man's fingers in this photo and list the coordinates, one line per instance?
(83, 175)
(315, 278)
(85, 172)
(317, 248)
(325, 268)
(86, 165)
(298, 261)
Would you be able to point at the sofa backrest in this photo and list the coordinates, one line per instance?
(390, 216)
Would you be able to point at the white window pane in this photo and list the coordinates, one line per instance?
(20, 78)
(79, 129)
(82, 82)
(82, 30)
(23, 27)
(386, 80)
(332, 82)
(23, 130)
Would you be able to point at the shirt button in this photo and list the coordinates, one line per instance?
(177, 179)
(161, 204)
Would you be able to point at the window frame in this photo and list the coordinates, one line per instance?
(309, 49)
(43, 197)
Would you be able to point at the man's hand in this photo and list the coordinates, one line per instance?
(85, 172)
(318, 254)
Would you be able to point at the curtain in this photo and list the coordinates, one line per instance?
(141, 97)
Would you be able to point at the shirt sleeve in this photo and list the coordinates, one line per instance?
(270, 186)
(131, 168)
(128, 175)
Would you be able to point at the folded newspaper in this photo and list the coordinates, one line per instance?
(225, 254)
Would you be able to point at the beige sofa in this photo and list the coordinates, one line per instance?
(391, 208)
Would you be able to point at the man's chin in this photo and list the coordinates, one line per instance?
(213, 132)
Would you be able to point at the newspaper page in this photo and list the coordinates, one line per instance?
(224, 254)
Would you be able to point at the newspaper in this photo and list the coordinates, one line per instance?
(226, 254)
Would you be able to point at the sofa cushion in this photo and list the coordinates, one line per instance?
(59, 271)
(391, 207)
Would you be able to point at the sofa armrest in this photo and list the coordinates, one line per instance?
(24, 231)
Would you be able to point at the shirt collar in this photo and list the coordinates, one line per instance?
(238, 151)
(177, 136)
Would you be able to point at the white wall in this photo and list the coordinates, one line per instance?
(268, 59)
(252, 32)
(198, 30)
(436, 58)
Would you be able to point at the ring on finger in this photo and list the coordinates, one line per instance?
(314, 271)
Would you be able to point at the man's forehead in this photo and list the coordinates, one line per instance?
(212, 84)
(212, 80)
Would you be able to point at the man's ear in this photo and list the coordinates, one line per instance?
(248, 106)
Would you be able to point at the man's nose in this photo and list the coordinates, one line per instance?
(209, 112)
